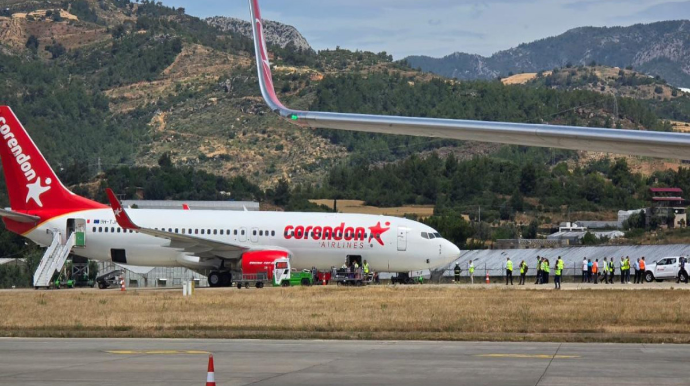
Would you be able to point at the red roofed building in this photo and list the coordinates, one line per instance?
(668, 207)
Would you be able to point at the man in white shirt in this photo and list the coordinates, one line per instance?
(585, 268)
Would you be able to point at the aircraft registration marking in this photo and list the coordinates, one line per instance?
(537, 356)
(156, 352)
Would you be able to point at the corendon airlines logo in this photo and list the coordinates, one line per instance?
(341, 236)
(24, 162)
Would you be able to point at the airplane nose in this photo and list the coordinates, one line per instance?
(453, 252)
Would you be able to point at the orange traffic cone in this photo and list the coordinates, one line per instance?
(211, 376)
(122, 283)
(487, 278)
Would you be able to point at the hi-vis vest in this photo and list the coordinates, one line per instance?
(522, 267)
(471, 267)
(612, 266)
(509, 266)
(559, 267)
(595, 267)
(642, 266)
(626, 264)
(366, 267)
(546, 267)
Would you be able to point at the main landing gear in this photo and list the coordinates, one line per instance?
(220, 279)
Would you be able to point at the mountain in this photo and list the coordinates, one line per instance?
(661, 48)
(276, 33)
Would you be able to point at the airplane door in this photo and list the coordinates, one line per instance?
(243, 234)
(78, 227)
(402, 239)
(254, 236)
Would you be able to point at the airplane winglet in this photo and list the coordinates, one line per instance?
(263, 66)
(121, 215)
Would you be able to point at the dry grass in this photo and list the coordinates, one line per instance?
(382, 312)
(357, 206)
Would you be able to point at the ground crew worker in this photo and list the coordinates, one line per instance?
(366, 267)
(523, 272)
(584, 269)
(605, 270)
(612, 270)
(545, 271)
(559, 272)
(589, 270)
(457, 272)
(622, 270)
(643, 267)
(682, 273)
(627, 269)
(471, 271)
(636, 267)
(595, 271)
(509, 271)
(538, 281)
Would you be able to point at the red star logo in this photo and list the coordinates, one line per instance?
(377, 230)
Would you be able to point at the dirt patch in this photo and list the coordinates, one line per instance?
(356, 206)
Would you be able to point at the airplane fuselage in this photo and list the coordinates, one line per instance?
(321, 240)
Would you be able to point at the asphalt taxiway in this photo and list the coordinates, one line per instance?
(61, 362)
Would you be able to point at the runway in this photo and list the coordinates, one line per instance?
(61, 362)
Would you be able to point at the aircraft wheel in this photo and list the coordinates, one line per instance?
(214, 279)
(225, 279)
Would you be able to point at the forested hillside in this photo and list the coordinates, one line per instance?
(661, 48)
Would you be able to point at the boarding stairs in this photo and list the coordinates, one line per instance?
(53, 259)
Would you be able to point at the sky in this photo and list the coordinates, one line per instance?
(440, 27)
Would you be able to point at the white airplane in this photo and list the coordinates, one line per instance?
(213, 242)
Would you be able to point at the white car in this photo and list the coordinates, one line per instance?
(663, 269)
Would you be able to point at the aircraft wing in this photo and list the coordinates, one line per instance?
(634, 142)
(19, 217)
(194, 245)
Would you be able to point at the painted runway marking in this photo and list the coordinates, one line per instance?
(157, 352)
(537, 356)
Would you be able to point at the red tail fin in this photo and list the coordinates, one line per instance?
(31, 183)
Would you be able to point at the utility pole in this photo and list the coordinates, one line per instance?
(480, 214)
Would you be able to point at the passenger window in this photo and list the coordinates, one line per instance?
(106, 229)
(221, 232)
(94, 229)
(208, 231)
(118, 230)
(254, 233)
(273, 233)
(261, 233)
(215, 231)
(236, 232)
(242, 232)
(228, 232)
(196, 231)
(176, 230)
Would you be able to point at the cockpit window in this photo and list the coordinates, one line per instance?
(438, 235)
(425, 235)
(431, 236)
